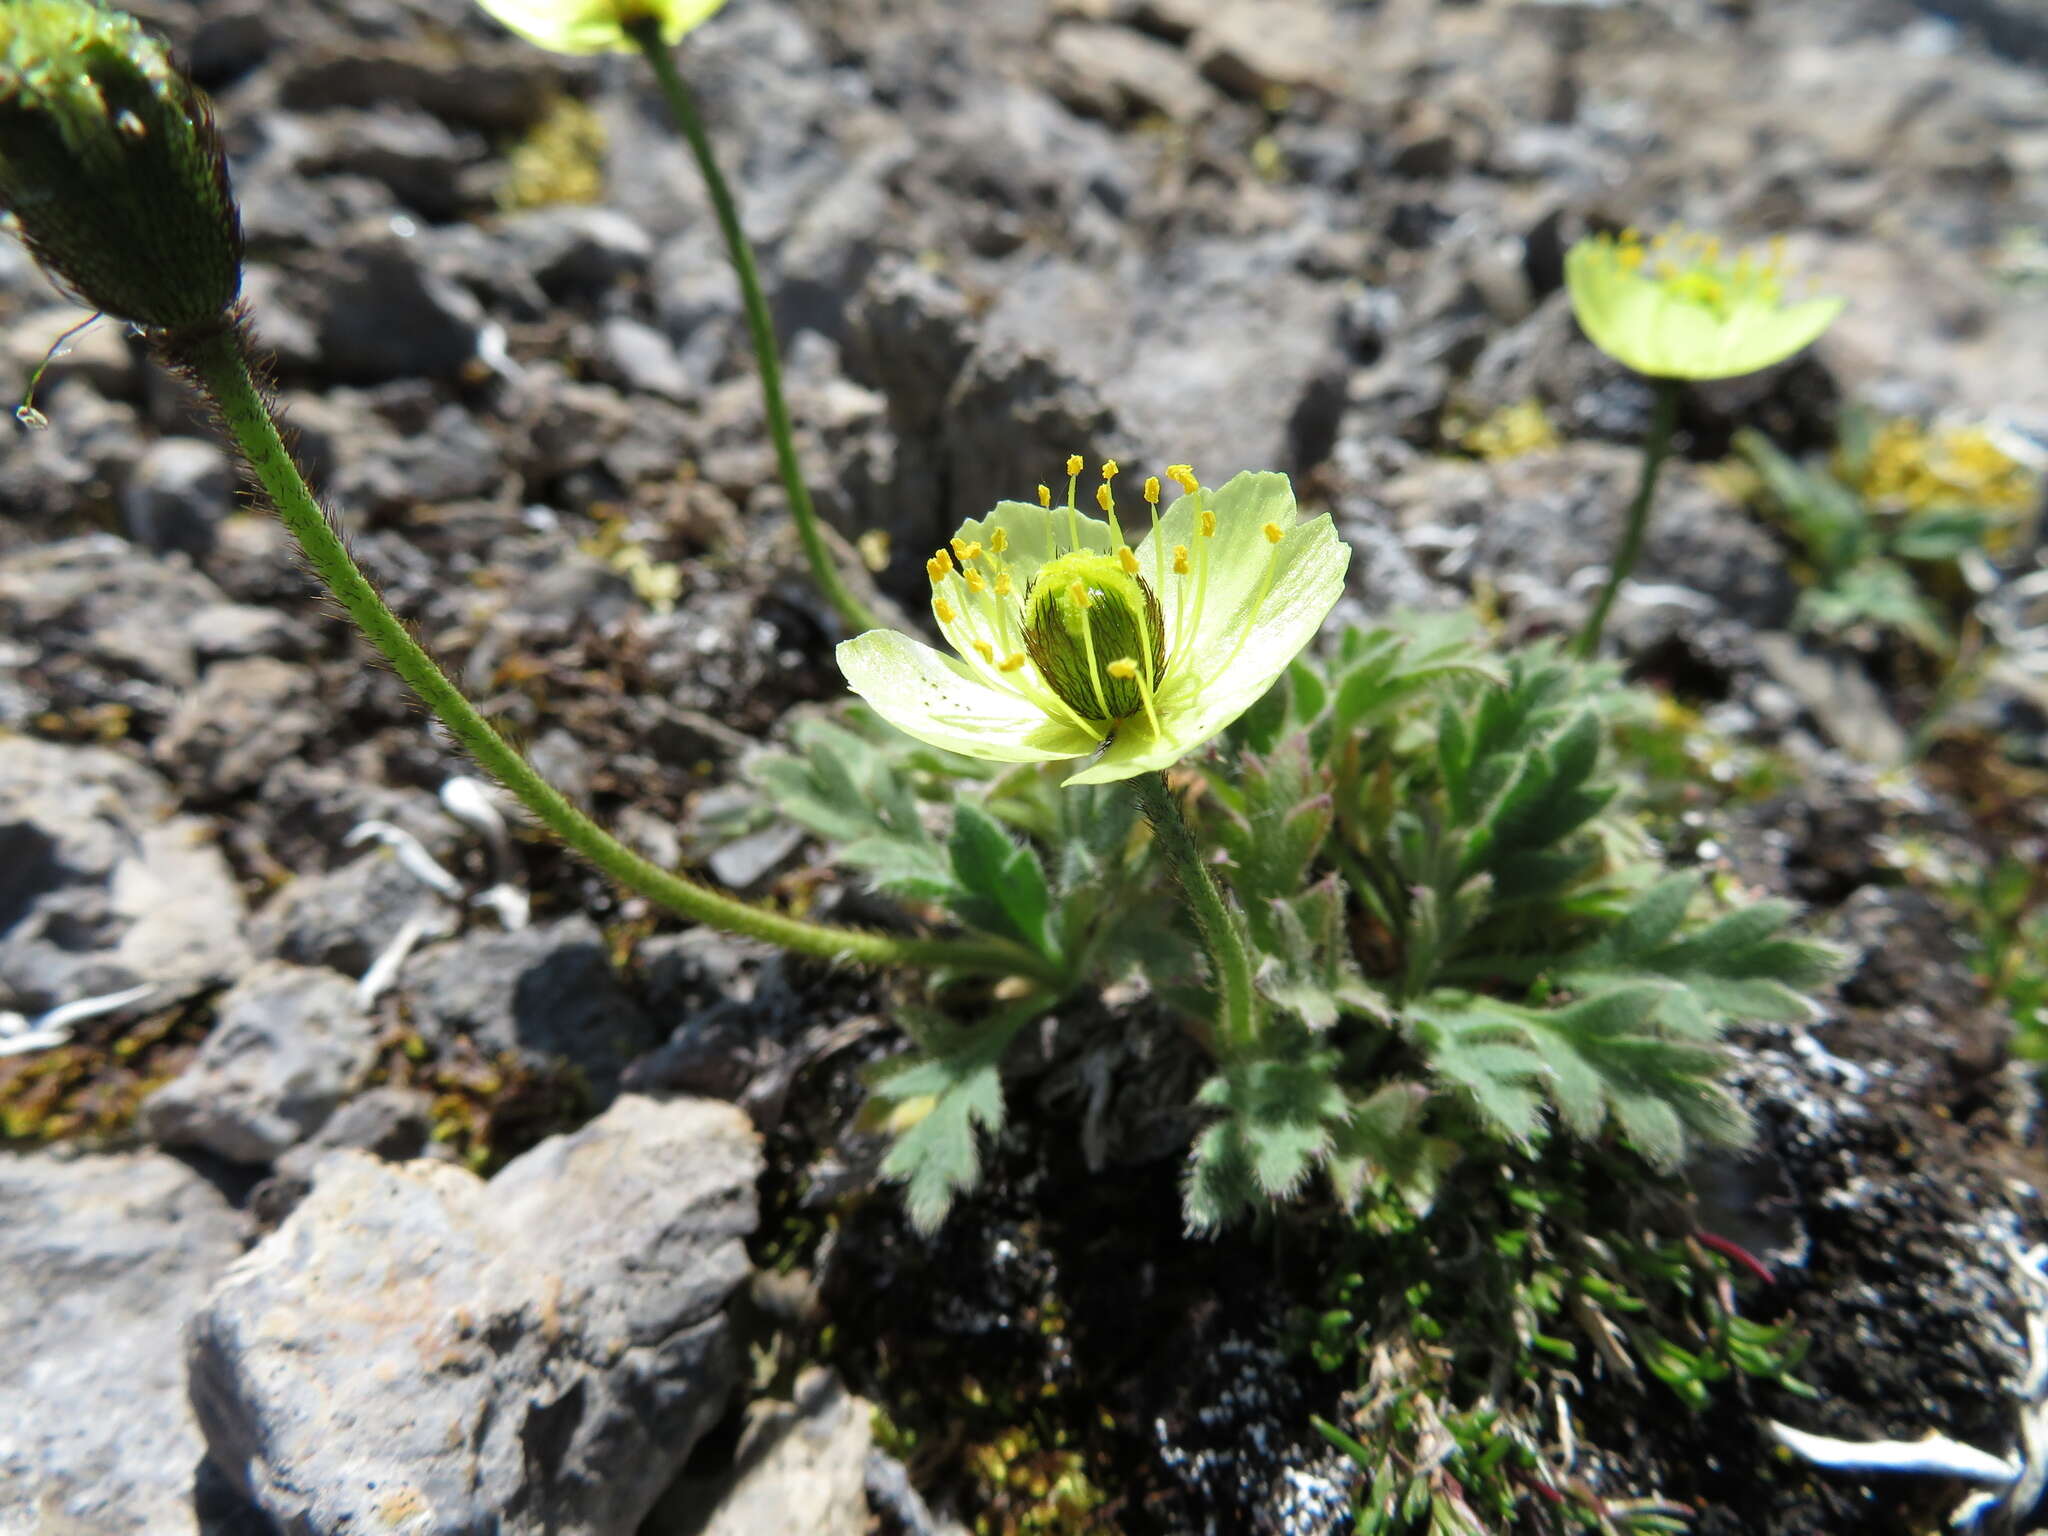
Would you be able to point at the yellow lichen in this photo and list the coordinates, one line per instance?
(560, 160)
(1510, 432)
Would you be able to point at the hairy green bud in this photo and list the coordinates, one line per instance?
(1095, 633)
(110, 164)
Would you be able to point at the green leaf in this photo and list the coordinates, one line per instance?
(1942, 535)
(937, 1158)
(1279, 1114)
(1002, 886)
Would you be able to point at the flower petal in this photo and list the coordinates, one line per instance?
(1199, 610)
(593, 26)
(1230, 670)
(1035, 535)
(941, 701)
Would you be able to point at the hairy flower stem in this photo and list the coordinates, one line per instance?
(760, 328)
(1238, 1026)
(1656, 446)
(219, 361)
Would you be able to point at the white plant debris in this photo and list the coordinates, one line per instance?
(2016, 1482)
(19, 1034)
(473, 804)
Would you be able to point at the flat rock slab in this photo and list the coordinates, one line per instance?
(800, 1470)
(417, 1350)
(104, 1258)
(101, 887)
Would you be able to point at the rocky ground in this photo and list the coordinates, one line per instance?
(1320, 237)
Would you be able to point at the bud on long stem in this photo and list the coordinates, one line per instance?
(110, 164)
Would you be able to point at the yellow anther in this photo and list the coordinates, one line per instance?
(1074, 465)
(1208, 525)
(1103, 499)
(988, 652)
(1180, 559)
(971, 552)
(1004, 586)
(1109, 469)
(1183, 475)
(943, 609)
(975, 582)
(1126, 559)
(1122, 667)
(1152, 489)
(1274, 533)
(935, 570)
(1044, 499)
(1012, 662)
(1078, 591)
(1000, 539)
(1629, 257)
(943, 561)
(960, 551)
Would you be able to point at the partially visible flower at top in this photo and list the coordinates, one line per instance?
(1071, 643)
(598, 26)
(110, 164)
(1677, 309)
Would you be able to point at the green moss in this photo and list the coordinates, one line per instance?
(560, 160)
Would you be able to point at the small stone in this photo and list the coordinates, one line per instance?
(384, 315)
(577, 251)
(289, 1045)
(799, 1470)
(341, 918)
(1117, 74)
(247, 717)
(548, 992)
(1252, 47)
(642, 359)
(101, 888)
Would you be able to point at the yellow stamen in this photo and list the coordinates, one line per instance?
(943, 561)
(1103, 499)
(1274, 533)
(1109, 469)
(943, 609)
(1122, 667)
(1207, 525)
(960, 551)
(975, 582)
(1044, 499)
(1000, 539)
(936, 571)
(972, 552)
(1180, 559)
(1127, 560)
(988, 652)
(1183, 475)
(1078, 591)
(1004, 586)
(1011, 662)
(1073, 464)
(1152, 489)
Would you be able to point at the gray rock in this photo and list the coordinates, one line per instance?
(538, 1354)
(384, 315)
(109, 619)
(245, 718)
(1252, 47)
(547, 991)
(799, 1470)
(415, 155)
(642, 359)
(289, 1045)
(105, 1258)
(390, 1123)
(1117, 74)
(101, 888)
(340, 918)
(577, 251)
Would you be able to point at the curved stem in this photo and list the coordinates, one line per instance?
(1238, 1026)
(1656, 445)
(760, 329)
(220, 364)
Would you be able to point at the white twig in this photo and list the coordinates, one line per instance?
(411, 853)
